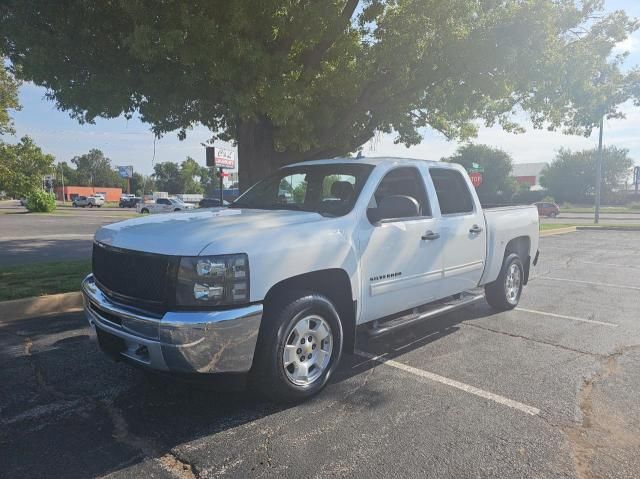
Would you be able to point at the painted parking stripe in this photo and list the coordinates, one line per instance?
(594, 283)
(453, 383)
(572, 318)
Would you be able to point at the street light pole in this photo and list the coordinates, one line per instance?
(63, 195)
(599, 174)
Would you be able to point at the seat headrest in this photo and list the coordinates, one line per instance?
(342, 189)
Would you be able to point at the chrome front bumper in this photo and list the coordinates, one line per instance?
(186, 341)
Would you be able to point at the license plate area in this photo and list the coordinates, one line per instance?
(110, 344)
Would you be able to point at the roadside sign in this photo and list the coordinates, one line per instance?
(125, 171)
(220, 158)
(476, 178)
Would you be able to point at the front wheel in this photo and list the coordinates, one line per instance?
(553, 214)
(504, 293)
(144, 211)
(299, 347)
(90, 205)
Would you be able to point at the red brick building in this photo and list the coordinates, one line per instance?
(70, 192)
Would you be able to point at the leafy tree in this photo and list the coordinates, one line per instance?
(498, 186)
(8, 98)
(142, 184)
(64, 170)
(167, 177)
(291, 81)
(571, 175)
(192, 175)
(94, 169)
(22, 167)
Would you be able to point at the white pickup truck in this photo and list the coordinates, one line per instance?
(278, 285)
(163, 205)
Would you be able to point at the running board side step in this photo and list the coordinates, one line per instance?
(382, 326)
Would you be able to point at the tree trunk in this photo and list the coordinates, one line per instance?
(256, 154)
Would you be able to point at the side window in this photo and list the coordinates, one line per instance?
(452, 191)
(163, 201)
(405, 181)
(293, 189)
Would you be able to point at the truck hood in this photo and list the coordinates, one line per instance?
(189, 233)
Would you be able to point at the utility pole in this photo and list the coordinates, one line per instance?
(599, 174)
(63, 195)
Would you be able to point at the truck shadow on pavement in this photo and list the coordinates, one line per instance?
(22, 252)
(66, 410)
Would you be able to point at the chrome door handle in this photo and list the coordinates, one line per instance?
(475, 229)
(430, 235)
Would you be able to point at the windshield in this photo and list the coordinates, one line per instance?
(329, 189)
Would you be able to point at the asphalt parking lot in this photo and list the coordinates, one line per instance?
(66, 235)
(549, 390)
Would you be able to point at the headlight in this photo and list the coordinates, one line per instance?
(213, 280)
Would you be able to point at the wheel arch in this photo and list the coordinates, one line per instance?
(522, 247)
(333, 283)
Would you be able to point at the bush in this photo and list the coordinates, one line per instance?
(635, 205)
(39, 201)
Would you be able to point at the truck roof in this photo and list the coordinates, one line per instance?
(370, 161)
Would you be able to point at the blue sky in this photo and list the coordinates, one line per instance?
(131, 143)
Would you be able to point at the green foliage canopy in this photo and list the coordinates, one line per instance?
(498, 186)
(8, 98)
(22, 167)
(95, 169)
(186, 177)
(571, 176)
(39, 201)
(300, 80)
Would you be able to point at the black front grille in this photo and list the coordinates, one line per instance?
(142, 280)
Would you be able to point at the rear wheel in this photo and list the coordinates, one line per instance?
(504, 293)
(299, 347)
(144, 211)
(177, 209)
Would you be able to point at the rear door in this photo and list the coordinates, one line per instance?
(462, 230)
(401, 258)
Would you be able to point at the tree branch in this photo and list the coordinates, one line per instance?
(312, 58)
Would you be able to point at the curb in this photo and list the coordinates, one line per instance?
(26, 308)
(610, 228)
(558, 231)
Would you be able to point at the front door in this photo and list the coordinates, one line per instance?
(462, 231)
(401, 258)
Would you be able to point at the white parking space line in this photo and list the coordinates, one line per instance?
(594, 283)
(615, 265)
(453, 383)
(572, 318)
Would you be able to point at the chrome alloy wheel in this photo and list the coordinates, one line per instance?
(512, 283)
(307, 351)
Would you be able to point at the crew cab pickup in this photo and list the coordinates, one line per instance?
(277, 285)
(90, 201)
(163, 205)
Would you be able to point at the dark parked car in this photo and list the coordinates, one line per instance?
(211, 203)
(130, 202)
(548, 209)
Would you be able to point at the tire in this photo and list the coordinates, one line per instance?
(501, 294)
(553, 214)
(177, 209)
(307, 313)
(144, 211)
(99, 206)
(90, 205)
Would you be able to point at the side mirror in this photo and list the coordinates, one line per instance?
(397, 206)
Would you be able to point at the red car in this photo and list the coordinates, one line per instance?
(548, 209)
